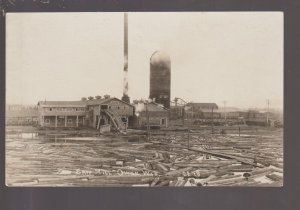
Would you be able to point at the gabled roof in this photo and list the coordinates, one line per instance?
(105, 100)
(157, 107)
(62, 103)
(78, 103)
(97, 101)
(203, 105)
(152, 107)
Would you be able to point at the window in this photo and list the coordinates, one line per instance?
(163, 96)
(47, 121)
(104, 106)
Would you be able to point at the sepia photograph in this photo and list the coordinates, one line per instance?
(144, 99)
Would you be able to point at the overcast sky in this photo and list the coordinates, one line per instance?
(237, 57)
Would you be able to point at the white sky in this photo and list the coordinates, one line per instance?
(232, 56)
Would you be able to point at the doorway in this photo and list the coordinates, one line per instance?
(163, 122)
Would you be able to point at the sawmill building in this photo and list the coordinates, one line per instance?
(61, 113)
(89, 113)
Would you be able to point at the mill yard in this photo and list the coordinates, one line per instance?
(228, 156)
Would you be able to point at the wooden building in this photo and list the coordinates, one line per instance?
(58, 114)
(156, 114)
(112, 111)
(176, 112)
(201, 111)
(90, 113)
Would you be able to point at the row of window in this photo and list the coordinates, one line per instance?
(108, 107)
(68, 109)
(82, 109)
(47, 121)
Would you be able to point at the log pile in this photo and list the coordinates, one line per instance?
(168, 158)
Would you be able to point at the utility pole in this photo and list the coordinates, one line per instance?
(183, 114)
(182, 110)
(268, 105)
(147, 115)
(225, 109)
(189, 136)
(212, 120)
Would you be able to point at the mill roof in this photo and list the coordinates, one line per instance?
(203, 105)
(62, 103)
(105, 100)
(78, 103)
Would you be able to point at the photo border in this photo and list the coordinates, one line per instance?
(208, 198)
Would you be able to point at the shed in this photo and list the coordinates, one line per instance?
(157, 114)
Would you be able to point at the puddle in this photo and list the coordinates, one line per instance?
(22, 135)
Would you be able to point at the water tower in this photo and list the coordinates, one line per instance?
(160, 78)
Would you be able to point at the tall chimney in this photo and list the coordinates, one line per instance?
(125, 82)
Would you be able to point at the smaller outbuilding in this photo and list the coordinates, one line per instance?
(201, 110)
(152, 114)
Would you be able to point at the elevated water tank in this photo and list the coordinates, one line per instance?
(160, 78)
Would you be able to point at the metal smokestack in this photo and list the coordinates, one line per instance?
(125, 80)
